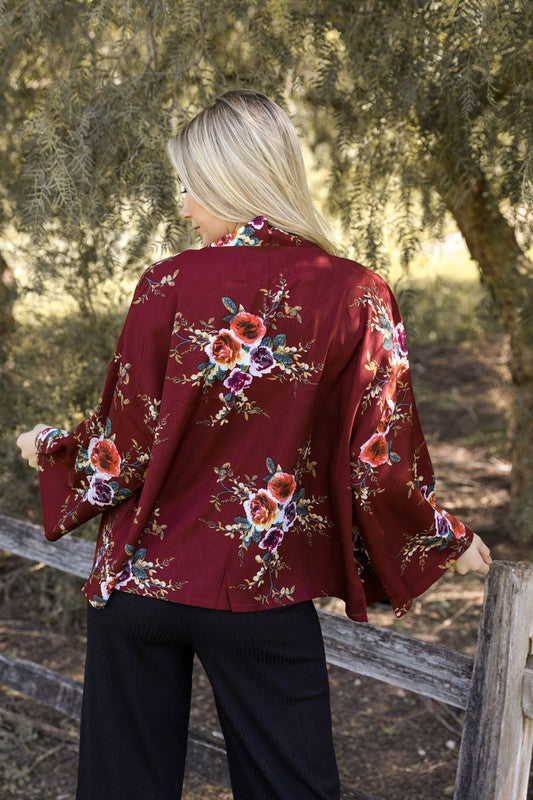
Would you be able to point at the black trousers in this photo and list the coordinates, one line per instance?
(270, 683)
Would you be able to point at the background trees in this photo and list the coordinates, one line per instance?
(413, 109)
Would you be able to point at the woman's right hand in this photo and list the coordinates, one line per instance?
(476, 559)
(26, 442)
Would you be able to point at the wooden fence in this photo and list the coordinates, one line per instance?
(495, 688)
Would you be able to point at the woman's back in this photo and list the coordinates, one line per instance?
(263, 439)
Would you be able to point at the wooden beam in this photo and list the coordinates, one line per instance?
(497, 740)
(206, 752)
(401, 660)
(70, 553)
(42, 684)
(429, 669)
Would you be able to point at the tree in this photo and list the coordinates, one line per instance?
(416, 101)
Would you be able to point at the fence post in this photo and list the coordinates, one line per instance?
(496, 744)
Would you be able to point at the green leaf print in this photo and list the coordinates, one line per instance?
(230, 305)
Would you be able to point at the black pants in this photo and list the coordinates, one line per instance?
(270, 683)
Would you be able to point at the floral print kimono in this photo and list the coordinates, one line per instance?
(257, 441)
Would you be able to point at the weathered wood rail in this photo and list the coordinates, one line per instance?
(495, 688)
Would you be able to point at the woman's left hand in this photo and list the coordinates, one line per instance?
(26, 442)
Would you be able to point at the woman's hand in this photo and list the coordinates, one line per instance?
(476, 559)
(26, 442)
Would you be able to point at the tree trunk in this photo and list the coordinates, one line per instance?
(8, 294)
(509, 276)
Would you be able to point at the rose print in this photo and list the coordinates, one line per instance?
(388, 392)
(375, 450)
(262, 361)
(446, 531)
(282, 486)
(247, 327)
(245, 235)
(237, 380)
(49, 435)
(106, 587)
(272, 539)
(261, 509)
(142, 574)
(118, 579)
(102, 463)
(269, 514)
(242, 351)
(289, 515)
(100, 492)
(104, 456)
(400, 338)
(447, 525)
(224, 349)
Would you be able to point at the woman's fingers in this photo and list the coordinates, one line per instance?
(476, 558)
(21, 443)
(460, 567)
(483, 568)
(485, 553)
(483, 558)
(26, 443)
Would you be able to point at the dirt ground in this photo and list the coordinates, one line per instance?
(390, 743)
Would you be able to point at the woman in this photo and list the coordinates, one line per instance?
(256, 445)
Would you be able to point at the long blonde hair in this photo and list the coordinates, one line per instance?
(241, 157)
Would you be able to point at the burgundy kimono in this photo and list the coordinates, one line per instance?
(257, 441)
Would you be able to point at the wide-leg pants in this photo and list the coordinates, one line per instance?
(268, 672)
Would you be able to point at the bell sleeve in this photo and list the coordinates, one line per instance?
(403, 537)
(102, 462)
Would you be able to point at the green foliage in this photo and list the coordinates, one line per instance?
(90, 93)
(57, 367)
(446, 310)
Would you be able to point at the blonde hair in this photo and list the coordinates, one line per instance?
(240, 157)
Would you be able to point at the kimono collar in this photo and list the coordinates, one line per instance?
(259, 231)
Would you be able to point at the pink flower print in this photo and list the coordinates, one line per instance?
(289, 516)
(441, 526)
(272, 539)
(125, 575)
(237, 380)
(445, 523)
(455, 524)
(100, 492)
(261, 361)
(426, 492)
(400, 338)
